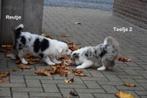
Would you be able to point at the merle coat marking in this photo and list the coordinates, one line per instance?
(103, 54)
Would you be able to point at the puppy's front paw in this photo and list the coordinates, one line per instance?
(51, 63)
(79, 67)
(58, 62)
(24, 61)
(101, 68)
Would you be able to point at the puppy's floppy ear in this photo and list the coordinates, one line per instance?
(69, 52)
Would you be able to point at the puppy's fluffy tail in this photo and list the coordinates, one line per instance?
(18, 29)
(111, 41)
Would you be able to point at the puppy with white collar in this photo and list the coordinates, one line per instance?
(103, 54)
(49, 50)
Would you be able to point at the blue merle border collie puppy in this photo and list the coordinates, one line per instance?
(103, 54)
(49, 50)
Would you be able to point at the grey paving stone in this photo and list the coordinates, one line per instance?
(92, 84)
(141, 93)
(71, 86)
(86, 96)
(114, 83)
(49, 95)
(143, 96)
(90, 91)
(33, 83)
(32, 89)
(20, 95)
(58, 77)
(94, 79)
(5, 92)
(131, 89)
(13, 85)
(96, 73)
(112, 77)
(50, 88)
(30, 77)
(24, 72)
(144, 85)
(110, 89)
(44, 81)
(17, 79)
(104, 96)
(65, 91)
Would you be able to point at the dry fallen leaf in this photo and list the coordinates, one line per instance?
(73, 93)
(129, 84)
(42, 72)
(124, 59)
(62, 70)
(11, 56)
(122, 94)
(69, 81)
(33, 61)
(7, 46)
(72, 46)
(79, 72)
(66, 60)
(23, 66)
(17, 61)
(4, 76)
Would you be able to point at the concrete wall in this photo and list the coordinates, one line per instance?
(29, 13)
(134, 11)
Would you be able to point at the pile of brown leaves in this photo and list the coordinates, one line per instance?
(53, 70)
(63, 69)
(79, 72)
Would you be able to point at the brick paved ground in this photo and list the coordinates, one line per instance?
(95, 25)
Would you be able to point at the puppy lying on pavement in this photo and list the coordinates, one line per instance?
(103, 54)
